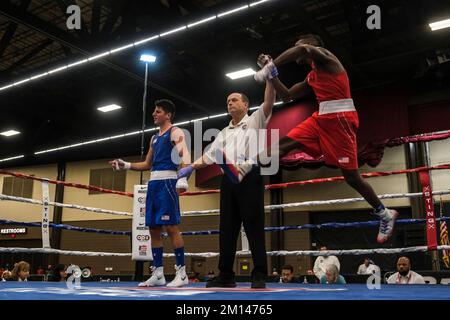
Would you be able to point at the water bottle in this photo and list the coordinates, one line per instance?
(305, 280)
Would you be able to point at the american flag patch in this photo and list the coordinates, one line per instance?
(344, 160)
(166, 217)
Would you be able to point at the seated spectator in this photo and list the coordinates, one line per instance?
(275, 272)
(20, 272)
(59, 273)
(404, 274)
(40, 270)
(287, 274)
(194, 276)
(332, 276)
(321, 263)
(6, 275)
(210, 275)
(368, 267)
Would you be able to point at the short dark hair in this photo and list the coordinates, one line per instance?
(314, 37)
(167, 105)
(288, 267)
(244, 98)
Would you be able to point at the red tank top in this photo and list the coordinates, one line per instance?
(328, 86)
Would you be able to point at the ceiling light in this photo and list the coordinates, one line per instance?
(145, 40)
(172, 31)
(201, 21)
(232, 11)
(134, 44)
(440, 25)
(257, 3)
(11, 158)
(241, 73)
(109, 108)
(129, 134)
(9, 133)
(148, 58)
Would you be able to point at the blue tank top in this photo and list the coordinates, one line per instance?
(162, 152)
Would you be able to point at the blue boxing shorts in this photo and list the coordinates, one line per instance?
(162, 206)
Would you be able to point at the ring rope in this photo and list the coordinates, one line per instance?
(314, 253)
(328, 225)
(63, 205)
(66, 227)
(194, 193)
(66, 184)
(202, 212)
(323, 202)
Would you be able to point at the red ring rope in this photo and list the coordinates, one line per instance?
(194, 193)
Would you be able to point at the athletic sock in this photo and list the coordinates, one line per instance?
(157, 257)
(179, 256)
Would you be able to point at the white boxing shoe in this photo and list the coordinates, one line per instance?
(387, 224)
(181, 278)
(157, 278)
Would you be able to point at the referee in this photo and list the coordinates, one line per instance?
(240, 203)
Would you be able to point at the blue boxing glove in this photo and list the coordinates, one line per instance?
(185, 172)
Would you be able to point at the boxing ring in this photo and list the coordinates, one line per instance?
(196, 291)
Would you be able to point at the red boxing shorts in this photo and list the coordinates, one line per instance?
(332, 135)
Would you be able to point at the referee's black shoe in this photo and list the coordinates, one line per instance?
(221, 282)
(258, 281)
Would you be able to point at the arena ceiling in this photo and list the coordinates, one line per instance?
(60, 109)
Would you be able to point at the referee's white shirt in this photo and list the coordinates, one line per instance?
(242, 141)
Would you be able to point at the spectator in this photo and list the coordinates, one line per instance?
(321, 263)
(59, 273)
(405, 275)
(6, 275)
(287, 274)
(332, 276)
(210, 275)
(40, 270)
(368, 267)
(275, 272)
(194, 277)
(21, 271)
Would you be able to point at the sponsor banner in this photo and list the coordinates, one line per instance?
(141, 243)
(45, 216)
(244, 240)
(429, 209)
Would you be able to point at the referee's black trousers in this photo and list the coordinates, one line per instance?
(242, 203)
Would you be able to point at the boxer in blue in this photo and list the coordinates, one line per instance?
(167, 150)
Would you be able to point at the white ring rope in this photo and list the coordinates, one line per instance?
(355, 252)
(200, 212)
(64, 252)
(69, 206)
(324, 202)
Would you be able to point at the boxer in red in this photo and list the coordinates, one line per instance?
(331, 131)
